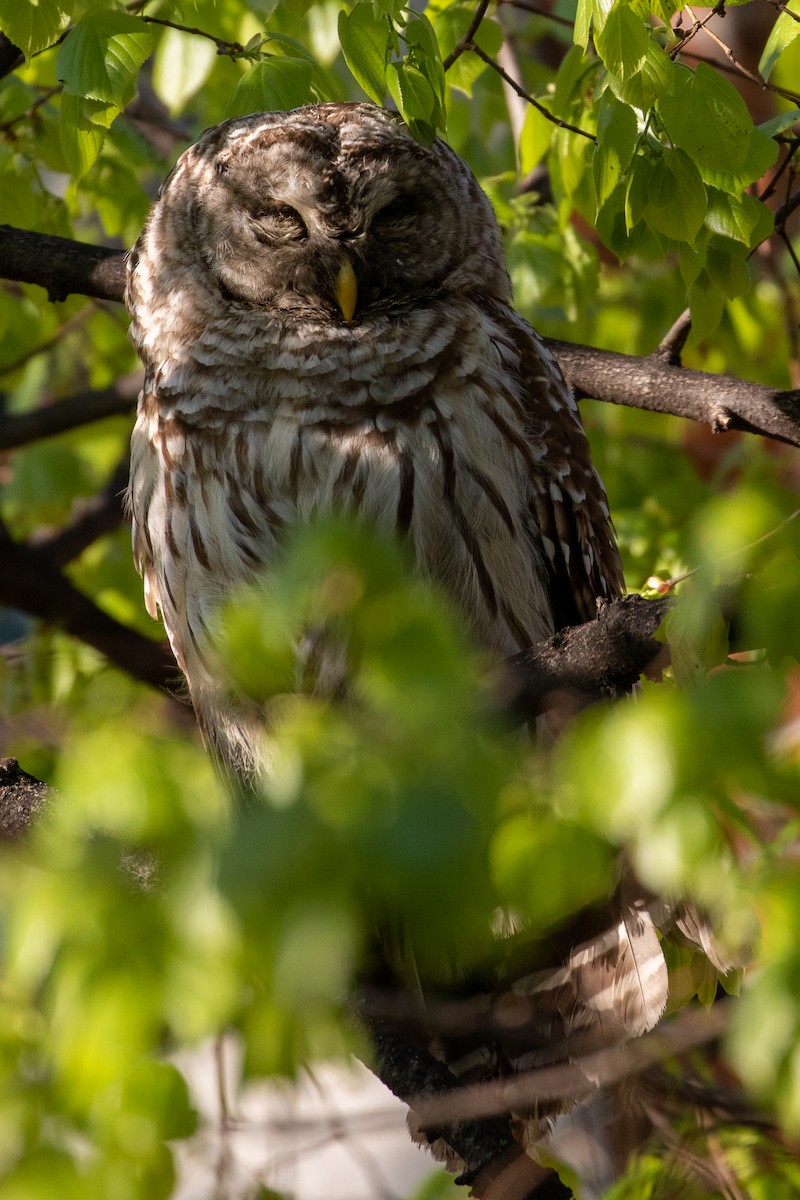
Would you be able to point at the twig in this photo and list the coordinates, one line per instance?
(670, 347)
(572, 1081)
(737, 553)
(7, 126)
(512, 83)
(466, 41)
(74, 322)
(231, 49)
(726, 50)
(698, 23)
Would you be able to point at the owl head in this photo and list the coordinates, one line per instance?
(329, 213)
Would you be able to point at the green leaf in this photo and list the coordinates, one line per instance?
(421, 41)
(706, 302)
(535, 139)
(274, 84)
(81, 138)
(726, 263)
(637, 190)
(157, 1092)
(640, 71)
(181, 66)
(616, 141)
(411, 92)
(676, 200)
(33, 24)
(740, 218)
(783, 121)
(697, 634)
(707, 118)
(101, 57)
(785, 30)
(366, 45)
(583, 24)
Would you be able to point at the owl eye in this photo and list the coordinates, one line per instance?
(280, 222)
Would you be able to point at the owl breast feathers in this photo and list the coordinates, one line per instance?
(324, 317)
(323, 312)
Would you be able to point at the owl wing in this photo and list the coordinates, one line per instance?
(569, 504)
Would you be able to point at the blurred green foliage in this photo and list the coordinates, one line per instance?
(144, 915)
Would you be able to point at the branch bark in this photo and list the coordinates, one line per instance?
(31, 583)
(600, 660)
(82, 408)
(654, 384)
(62, 267)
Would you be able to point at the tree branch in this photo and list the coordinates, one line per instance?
(63, 266)
(99, 515)
(20, 429)
(31, 583)
(651, 383)
(600, 660)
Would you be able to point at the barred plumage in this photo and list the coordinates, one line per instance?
(436, 411)
(323, 312)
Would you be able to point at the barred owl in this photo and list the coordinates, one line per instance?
(324, 315)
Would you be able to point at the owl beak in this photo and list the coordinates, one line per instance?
(345, 289)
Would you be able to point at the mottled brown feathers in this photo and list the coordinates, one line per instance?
(436, 412)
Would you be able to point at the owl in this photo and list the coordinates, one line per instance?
(324, 315)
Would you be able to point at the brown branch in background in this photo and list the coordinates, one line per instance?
(31, 583)
(497, 1166)
(537, 10)
(95, 517)
(20, 429)
(574, 1081)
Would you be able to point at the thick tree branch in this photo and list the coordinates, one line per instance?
(99, 515)
(82, 408)
(651, 383)
(600, 660)
(21, 798)
(63, 266)
(31, 583)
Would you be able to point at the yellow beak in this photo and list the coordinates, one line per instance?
(345, 289)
